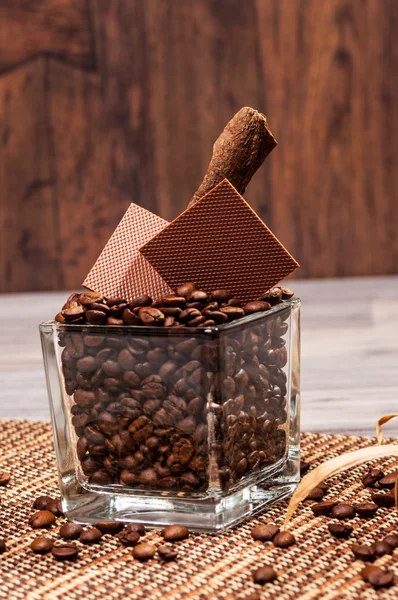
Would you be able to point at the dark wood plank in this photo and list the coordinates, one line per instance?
(29, 248)
(57, 27)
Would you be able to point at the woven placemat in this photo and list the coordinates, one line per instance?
(214, 567)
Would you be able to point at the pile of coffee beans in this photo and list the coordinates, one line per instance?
(188, 307)
(141, 408)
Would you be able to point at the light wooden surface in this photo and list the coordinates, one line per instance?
(349, 353)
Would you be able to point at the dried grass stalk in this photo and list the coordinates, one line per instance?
(334, 466)
(380, 423)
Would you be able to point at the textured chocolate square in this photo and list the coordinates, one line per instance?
(220, 242)
(121, 271)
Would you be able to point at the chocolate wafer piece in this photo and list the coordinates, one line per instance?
(220, 242)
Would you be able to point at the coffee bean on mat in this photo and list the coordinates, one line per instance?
(111, 527)
(363, 552)
(388, 481)
(144, 551)
(128, 538)
(55, 506)
(366, 510)
(71, 531)
(284, 539)
(392, 540)
(139, 527)
(90, 536)
(65, 551)
(3, 546)
(340, 530)
(175, 533)
(264, 575)
(265, 532)
(4, 478)
(342, 510)
(42, 545)
(383, 499)
(377, 577)
(381, 547)
(42, 518)
(323, 508)
(372, 477)
(316, 494)
(167, 552)
(41, 502)
(304, 467)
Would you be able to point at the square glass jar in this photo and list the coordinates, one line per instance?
(193, 426)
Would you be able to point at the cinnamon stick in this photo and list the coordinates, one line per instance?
(239, 151)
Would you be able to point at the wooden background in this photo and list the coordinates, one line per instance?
(104, 102)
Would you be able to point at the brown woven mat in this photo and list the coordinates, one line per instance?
(318, 567)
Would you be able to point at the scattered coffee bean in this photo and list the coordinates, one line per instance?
(392, 540)
(4, 478)
(144, 551)
(3, 546)
(377, 577)
(304, 467)
(384, 500)
(366, 510)
(71, 531)
(256, 306)
(128, 538)
(340, 530)
(372, 477)
(175, 533)
(316, 494)
(264, 532)
(139, 527)
(43, 518)
(90, 536)
(65, 551)
(323, 486)
(342, 510)
(284, 539)
(323, 508)
(363, 552)
(55, 506)
(42, 545)
(111, 527)
(380, 548)
(264, 575)
(167, 552)
(388, 481)
(41, 502)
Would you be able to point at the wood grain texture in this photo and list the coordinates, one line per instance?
(349, 355)
(151, 87)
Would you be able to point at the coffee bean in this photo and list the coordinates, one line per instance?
(95, 317)
(141, 301)
(380, 548)
(363, 552)
(304, 467)
(167, 552)
(71, 531)
(4, 478)
(372, 477)
(151, 316)
(273, 296)
(388, 481)
(264, 532)
(264, 575)
(284, 539)
(220, 296)
(392, 540)
(384, 500)
(144, 551)
(366, 510)
(42, 545)
(377, 577)
(233, 312)
(42, 518)
(316, 494)
(186, 289)
(323, 508)
(65, 551)
(287, 293)
(55, 506)
(340, 530)
(87, 298)
(174, 301)
(342, 510)
(128, 538)
(175, 533)
(139, 527)
(3, 546)
(111, 527)
(41, 502)
(90, 536)
(256, 306)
